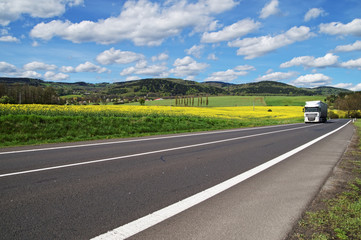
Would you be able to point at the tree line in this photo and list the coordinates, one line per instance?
(26, 94)
(350, 102)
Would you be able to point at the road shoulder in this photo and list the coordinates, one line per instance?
(343, 173)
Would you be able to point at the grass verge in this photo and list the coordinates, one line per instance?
(30, 129)
(337, 215)
(37, 124)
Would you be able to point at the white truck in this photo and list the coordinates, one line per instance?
(315, 111)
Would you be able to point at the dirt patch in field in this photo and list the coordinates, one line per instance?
(343, 173)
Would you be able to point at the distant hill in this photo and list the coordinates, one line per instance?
(163, 87)
(269, 88)
(274, 88)
(328, 90)
(218, 84)
(29, 81)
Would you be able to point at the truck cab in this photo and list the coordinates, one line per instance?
(315, 111)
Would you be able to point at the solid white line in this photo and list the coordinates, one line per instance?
(152, 219)
(143, 154)
(139, 140)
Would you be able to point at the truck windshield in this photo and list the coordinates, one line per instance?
(312, 109)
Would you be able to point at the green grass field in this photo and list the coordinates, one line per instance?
(234, 101)
(291, 100)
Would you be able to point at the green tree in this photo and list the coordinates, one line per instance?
(141, 101)
(6, 100)
(350, 103)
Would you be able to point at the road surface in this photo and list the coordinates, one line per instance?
(84, 190)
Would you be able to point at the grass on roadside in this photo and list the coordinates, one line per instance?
(341, 220)
(36, 129)
(341, 216)
(36, 124)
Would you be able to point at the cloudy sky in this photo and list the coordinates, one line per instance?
(307, 44)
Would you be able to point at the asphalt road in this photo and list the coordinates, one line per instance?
(82, 190)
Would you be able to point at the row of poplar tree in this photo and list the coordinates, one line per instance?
(191, 101)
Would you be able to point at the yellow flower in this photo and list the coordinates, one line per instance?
(247, 112)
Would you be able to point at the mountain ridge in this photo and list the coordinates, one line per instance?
(170, 87)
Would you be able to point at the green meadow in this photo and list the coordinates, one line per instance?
(291, 100)
(234, 101)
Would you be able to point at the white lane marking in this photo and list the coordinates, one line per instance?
(143, 154)
(139, 140)
(154, 218)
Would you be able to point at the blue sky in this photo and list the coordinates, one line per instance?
(305, 43)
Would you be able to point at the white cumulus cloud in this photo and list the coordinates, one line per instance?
(9, 39)
(226, 76)
(160, 57)
(230, 74)
(314, 13)
(67, 69)
(312, 80)
(112, 56)
(343, 85)
(271, 8)
(11, 10)
(349, 47)
(259, 46)
(337, 28)
(245, 68)
(309, 61)
(55, 76)
(356, 63)
(142, 68)
(143, 22)
(356, 88)
(195, 50)
(7, 68)
(212, 56)
(187, 67)
(30, 74)
(132, 78)
(231, 32)
(90, 67)
(277, 76)
(34, 66)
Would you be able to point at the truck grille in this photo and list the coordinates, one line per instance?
(311, 117)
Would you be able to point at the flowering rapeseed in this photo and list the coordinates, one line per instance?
(244, 112)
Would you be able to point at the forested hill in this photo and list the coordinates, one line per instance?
(162, 87)
(277, 88)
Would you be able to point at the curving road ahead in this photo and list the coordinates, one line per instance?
(83, 190)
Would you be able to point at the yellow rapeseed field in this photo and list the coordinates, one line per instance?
(342, 113)
(277, 112)
(36, 124)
